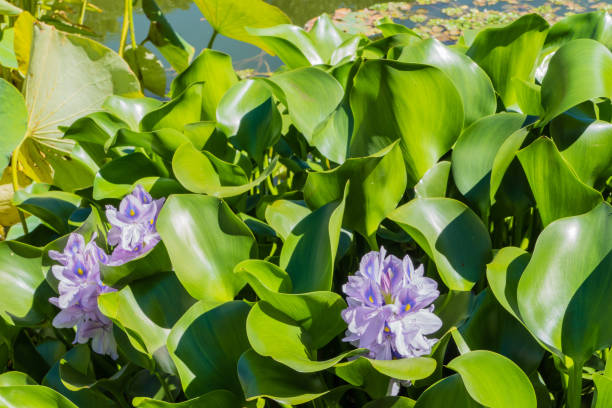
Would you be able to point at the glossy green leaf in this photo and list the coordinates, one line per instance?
(505, 156)
(291, 43)
(510, 52)
(14, 118)
(327, 38)
(557, 190)
(7, 49)
(214, 69)
(595, 25)
(184, 108)
(471, 81)
(391, 402)
(12, 378)
(503, 275)
(388, 27)
(162, 142)
(9, 9)
(231, 17)
(205, 240)
(309, 252)
(448, 389)
(147, 309)
(417, 104)
(264, 377)
(148, 68)
(33, 396)
(153, 262)
(434, 182)
(264, 277)
(488, 377)
(284, 215)
(475, 152)
(130, 110)
(206, 344)
(116, 179)
(579, 71)
(372, 193)
(202, 172)
(213, 399)
(563, 291)
(603, 394)
(248, 115)
(451, 235)
(173, 47)
(68, 76)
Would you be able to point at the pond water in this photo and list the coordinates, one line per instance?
(444, 19)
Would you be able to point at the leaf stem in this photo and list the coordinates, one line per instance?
(574, 384)
(212, 39)
(165, 386)
(124, 27)
(82, 15)
(132, 30)
(15, 179)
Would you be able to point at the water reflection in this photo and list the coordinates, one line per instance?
(300, 11)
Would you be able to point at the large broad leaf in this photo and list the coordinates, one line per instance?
(216, 399)
(13, 116)
(448, 389)
(206, 344)
(309, 252)
(503, 275)
(564, 291)
(205, 240)
(148, 68)
(7, 48)
(451, 234)
(510, 52)
(557, 190)
(22, 296)
(579, 71)
(372, 193)
(417, 104)
(117, 178)
(248, 115)
(146, 310)
(284, 215)
(202, 172)
(596, 25)
(68, 77)
(231, 17)
(130, 110)
(9, 9)
(310, 95)
(488, 376)
(173, 47)
(183, 109)
(33, 396)
(263, 377)
(214, 69)
(472, 82)
(291, 43)
(475, 152)
(434, 182)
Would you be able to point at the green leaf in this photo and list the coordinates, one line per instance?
(205, 240)
(595, 25)
(505, 156)
(183, 109)
(149, 264)
(434, 182)
(415, 103)
(451, 235)
(12, 378)
(563, 291)
(389, 28)
(603, 394)
(116, 179)
(309, 252)
(579, 71)
(130, 110)
(68, 77)
(14, 119)
(217, 398)
(311, 95)
(52, 207)
(391, 402)
(414, 368)
(148, 68)
(214, 69)
(503, 275)
(147, 309)
(22, 296)
(448, 389)
(327, 38)
(510, 52)
(9, 9)
(33, 396)
(7, 50)
(163, 142)
(488, 377)
(202, 172)
(172, 46)
(264, 277)
(475, 152)
(372, 192)
(284, 215)
(471, 81)
(248, 115)
(263, 377)
(291, 43)
(206, 344)
(557, 190)
(231, 17)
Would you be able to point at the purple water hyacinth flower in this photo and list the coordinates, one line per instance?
(79, 287)
(390, 308)
(133, 231)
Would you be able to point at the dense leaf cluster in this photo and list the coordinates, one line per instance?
(488, 161)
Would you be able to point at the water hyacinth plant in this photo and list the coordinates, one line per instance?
(379, 211)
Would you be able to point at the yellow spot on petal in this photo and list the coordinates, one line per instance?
(132, 213)
(371, 299)
(151, 222)
(80, 271)
(387, 330)
(407, 308)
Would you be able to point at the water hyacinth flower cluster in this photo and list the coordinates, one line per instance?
(390, 308)
(133, 231)
(79, 287)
